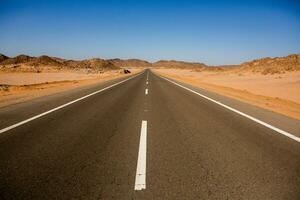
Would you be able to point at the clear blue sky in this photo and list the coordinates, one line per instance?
(213, 32)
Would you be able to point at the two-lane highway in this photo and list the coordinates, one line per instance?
(142, 138)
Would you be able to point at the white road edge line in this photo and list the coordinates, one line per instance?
(62, 106)
(239, 112)
(140, 178)
(146, 91)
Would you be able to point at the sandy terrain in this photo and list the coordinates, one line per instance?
(20, 87)
(36, 78)
(279, 92)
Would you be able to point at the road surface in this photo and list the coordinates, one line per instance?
(145, 138)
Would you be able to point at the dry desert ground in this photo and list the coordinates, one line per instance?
(18, 87)
(276, 92)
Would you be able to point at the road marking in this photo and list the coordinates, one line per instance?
(239, 112)
(147, 83)
(140, 178)
(62, 106)
(146, 91)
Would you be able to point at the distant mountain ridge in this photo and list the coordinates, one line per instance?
(130, 63)
(38, 63)
(179, 64)
(263, 65)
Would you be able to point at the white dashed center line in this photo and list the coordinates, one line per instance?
(146, 91)
(140, 178)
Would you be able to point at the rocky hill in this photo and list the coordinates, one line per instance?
(17, 60)
(93, 64)
(26, 63)
(3, 57)
(272, 65)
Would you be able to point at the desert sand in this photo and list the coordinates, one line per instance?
(276, 92)
(26, 77)
(20, 87)
(37, 78)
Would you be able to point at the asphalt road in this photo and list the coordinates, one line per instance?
(128, 143)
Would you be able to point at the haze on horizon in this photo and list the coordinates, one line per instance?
(213, 32)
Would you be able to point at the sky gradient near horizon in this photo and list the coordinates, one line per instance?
(213, 32)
